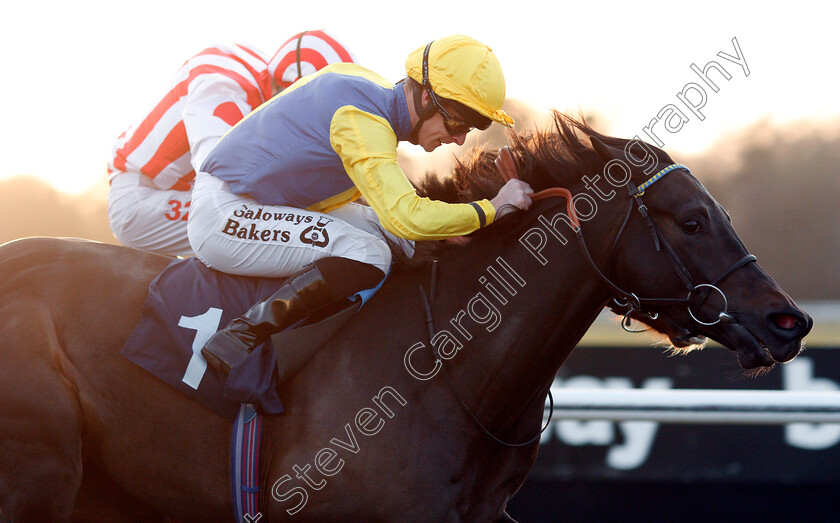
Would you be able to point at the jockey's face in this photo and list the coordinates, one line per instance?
(433, 133)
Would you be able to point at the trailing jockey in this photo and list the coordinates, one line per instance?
(154, 162)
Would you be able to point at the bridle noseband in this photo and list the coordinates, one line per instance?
(697, 292)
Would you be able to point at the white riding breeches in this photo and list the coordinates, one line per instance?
(234, 234)
(146, 217)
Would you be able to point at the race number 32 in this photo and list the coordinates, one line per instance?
(178, 211)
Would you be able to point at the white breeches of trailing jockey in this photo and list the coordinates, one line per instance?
(234, 234)
(146, 217)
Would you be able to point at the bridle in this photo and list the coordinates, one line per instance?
(697, 293)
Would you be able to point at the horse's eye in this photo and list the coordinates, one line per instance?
(691, 226)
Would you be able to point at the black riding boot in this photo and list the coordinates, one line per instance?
(317, 285)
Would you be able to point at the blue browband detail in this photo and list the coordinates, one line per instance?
(655, 178)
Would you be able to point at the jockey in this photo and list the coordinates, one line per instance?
(154, 163)
(274, 197)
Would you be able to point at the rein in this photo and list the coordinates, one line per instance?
(438, 359)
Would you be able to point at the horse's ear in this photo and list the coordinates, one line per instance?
(606, 152)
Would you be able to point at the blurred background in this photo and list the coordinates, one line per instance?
(77, 74)
(766, 144)
(780, 183)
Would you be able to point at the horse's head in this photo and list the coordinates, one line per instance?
(677, 265)
(658, 242)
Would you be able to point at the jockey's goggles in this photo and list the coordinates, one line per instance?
(455, 126)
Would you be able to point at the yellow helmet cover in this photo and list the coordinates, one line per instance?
(463, 69)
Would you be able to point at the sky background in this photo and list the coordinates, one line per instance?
(76, 74)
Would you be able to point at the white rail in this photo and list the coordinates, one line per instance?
(697, 406)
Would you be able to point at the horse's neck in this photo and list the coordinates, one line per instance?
(534, 314)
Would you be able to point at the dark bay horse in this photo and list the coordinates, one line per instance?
(392, 420)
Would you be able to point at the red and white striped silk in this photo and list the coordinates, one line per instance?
(317, 50)
(210, 93)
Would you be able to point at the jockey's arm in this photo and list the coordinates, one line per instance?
(214, 104)
(367, 147)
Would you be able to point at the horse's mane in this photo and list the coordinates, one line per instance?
(557, 156)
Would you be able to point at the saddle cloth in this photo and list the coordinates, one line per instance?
(187, 303)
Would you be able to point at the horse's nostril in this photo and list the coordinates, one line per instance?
(784, 321)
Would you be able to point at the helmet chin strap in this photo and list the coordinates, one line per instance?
(423, 113)
(297, 55)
